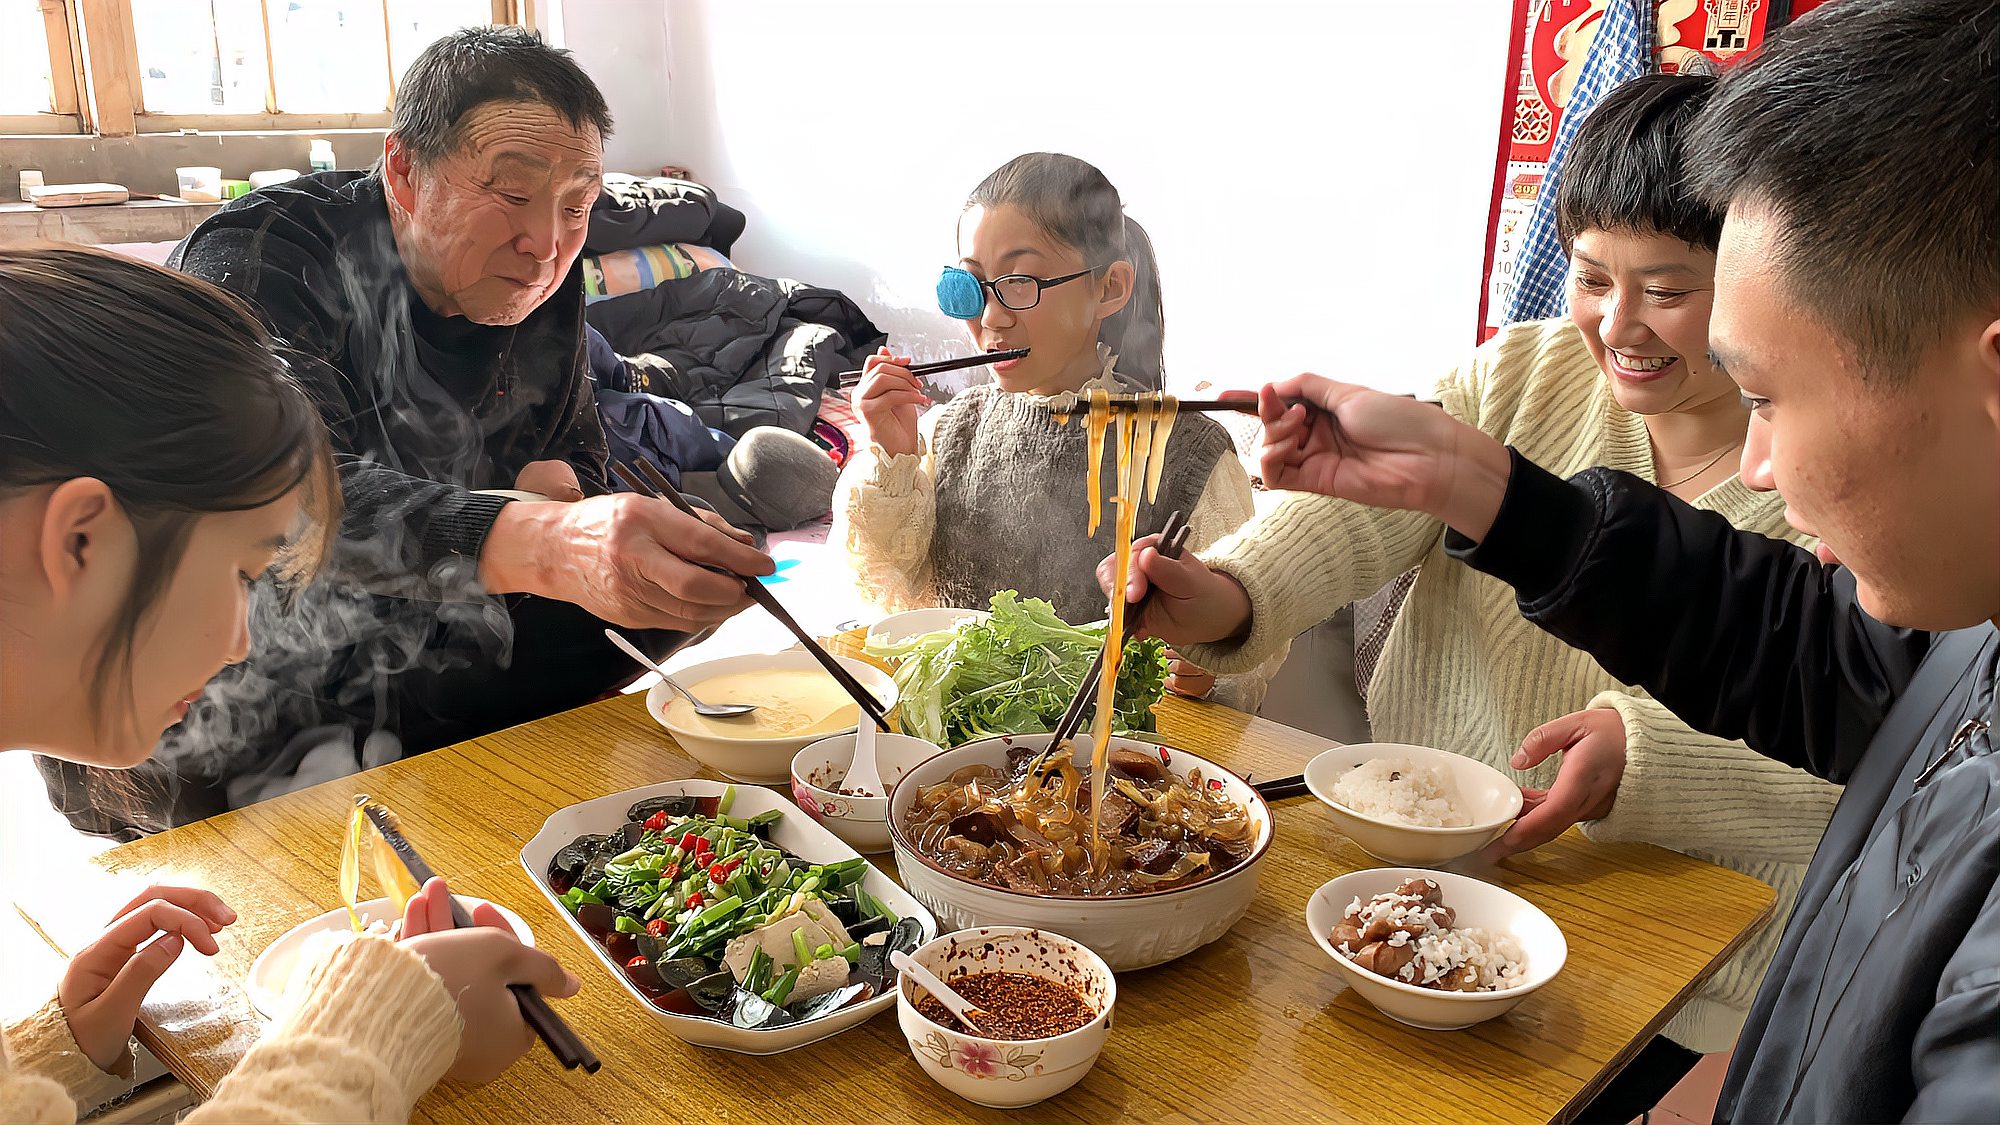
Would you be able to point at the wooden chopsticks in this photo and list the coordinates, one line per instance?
(568, 1047)
(655, 484)
(1173, 538)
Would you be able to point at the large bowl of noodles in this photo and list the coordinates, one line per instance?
(979, 851)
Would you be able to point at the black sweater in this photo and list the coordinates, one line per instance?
(1883, 1002)
(423, 409)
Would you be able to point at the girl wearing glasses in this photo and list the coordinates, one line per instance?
(987, 493)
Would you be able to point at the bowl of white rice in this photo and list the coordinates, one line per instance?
(1502, 944)
(1413, 804)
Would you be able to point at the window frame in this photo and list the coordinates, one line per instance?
(67, 113)
(119, 101)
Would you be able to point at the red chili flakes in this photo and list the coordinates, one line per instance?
(1017, 1006)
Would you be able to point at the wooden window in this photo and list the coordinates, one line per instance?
(40, 68)
(161, 66)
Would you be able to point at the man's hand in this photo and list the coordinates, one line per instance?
(1593, 748)
(553, 479)
(1381, 450)
(632, 560)
(1191, 604)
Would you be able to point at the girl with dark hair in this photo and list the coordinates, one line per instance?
(155, 459)
(1625, 382)
(987, 493)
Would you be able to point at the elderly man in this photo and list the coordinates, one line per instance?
(432, 306)
(1857, 305)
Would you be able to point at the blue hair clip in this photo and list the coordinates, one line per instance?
(960, 295)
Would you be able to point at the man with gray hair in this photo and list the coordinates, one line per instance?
(432, 306)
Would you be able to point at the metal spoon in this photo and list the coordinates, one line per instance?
(960, 1008)
(705, 710)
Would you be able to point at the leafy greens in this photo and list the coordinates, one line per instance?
(1014, 674)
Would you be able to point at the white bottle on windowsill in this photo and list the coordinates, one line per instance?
(321, 156)
(31, 178)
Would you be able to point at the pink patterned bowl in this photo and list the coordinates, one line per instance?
(1008, 1073)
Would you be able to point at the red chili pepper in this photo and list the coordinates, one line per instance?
(694, 898)
(636, 961)
(687, 841)
(657, 927)
(671, 872)
(657, 822)
(720, 871)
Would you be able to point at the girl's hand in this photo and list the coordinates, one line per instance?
(1185, 677)
(1593, 748)
(888, 401)
(1191, 604)
(107, 980)
(477, 965)
(1381, 450)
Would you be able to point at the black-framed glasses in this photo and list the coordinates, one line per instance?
(962, 296)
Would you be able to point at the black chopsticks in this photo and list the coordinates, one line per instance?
(1173, 538)
(568, 1048)
(849, 378)
(1184, 406)
(1278, 788)
(655, 484)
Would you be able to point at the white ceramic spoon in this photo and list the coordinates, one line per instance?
(863, 776)
(960, 1008)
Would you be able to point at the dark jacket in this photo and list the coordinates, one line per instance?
(1883, 1002)
(742, 350)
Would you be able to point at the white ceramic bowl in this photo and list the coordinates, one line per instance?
(1487, 797)
(271, 973)
(861, 822)
(1477, 904)
(1128, 931)
(899, 627)
(1008, 1073)
(761, 761)
(796, 833)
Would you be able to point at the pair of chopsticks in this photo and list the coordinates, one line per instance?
(656, 485)
(568, 1048)
(1184, 406)
(847, 379)
(1279, 788)
(1173, 539)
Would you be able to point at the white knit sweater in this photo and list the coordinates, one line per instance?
(1461, 669)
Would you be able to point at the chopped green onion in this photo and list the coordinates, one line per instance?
(852, 952)
(728, 799)
(627, 925)
(799, 947)
(778, 992)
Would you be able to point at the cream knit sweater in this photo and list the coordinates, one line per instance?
(1461, 669)
(373, 1031)
(885, 516)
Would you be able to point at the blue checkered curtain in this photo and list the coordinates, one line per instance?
(1622, 50)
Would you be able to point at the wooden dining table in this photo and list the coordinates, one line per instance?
(1254, 1027)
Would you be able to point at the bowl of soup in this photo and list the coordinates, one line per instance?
(797, 703)
(1185, 840)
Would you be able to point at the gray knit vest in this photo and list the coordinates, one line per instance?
(1011, 508)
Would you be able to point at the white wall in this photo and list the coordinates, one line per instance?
(1314, 174)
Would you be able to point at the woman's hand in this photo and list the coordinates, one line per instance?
(107, 980)
(1185, 677)
(889, 400)
(477, 965)
(1381, 450)
(1191, 604)
(1593, 748)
